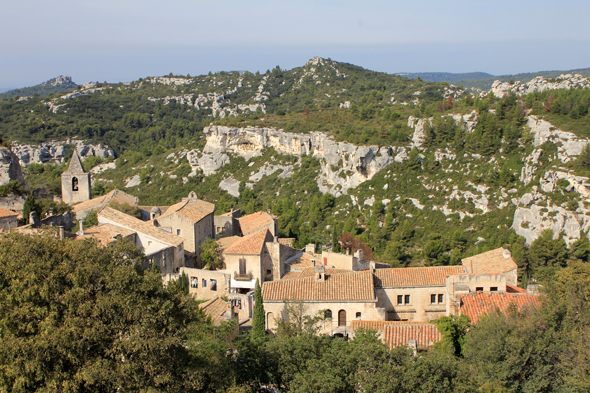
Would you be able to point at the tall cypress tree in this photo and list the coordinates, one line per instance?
(184, 282)
(258, 328)
(28, 207)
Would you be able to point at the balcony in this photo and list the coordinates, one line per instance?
(243, 277)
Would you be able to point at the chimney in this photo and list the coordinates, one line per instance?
(276, 239)
(62, 233)
(81, 230)
(348, 251)
(506, 254)
(320, 273)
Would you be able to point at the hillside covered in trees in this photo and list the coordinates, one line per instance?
(455, 194)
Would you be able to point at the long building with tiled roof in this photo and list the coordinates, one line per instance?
(423, 335)
(257, 221)
(117, 196)
(476, 305)
(415, 276)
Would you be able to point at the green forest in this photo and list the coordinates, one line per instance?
(78, 317)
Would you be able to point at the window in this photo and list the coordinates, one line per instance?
(479, 289)
(358, 314)
(242, 265)
(400, 299)
(432, 299)
(204, 283)
(74, 184)
(194, 282)
(268, 272)
(149, 243)
(441, 298)
(214, 285)
(163, 259)
(407, 299)
(178, 232)
(328, 314)
(494, 289)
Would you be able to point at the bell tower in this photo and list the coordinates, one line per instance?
(75, 182)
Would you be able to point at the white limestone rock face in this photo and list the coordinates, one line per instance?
(9, 167)
(133, 182)
(55, 151)
(539, 84)
(568, 144)
(343, 165)
(231, 185)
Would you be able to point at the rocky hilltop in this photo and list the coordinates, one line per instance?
(539, 84)
(54, 151)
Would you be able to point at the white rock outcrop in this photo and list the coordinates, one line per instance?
(9, 167)
(568, 144)
(55, 151)
(343, 165)
(538, 84)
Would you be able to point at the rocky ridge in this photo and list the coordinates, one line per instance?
(539, 84)
(54, 151)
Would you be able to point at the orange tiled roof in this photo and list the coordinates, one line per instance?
(513, 289)
(352, 286)
(140, 226)
(475, 305)
(490, 262)
(380, 325)
(251, 244)
(415, 276)
(226, 242)
(426, 335)
(255, 221)
(148, 209)
(303, 262)
(215, 308)
(106, 233)
(7, 213)
(193, 211)
(115, 195)
(310, 272)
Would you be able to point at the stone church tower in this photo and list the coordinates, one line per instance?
(75, 182)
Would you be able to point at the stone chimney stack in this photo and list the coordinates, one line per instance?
(320, 273)
(310, 249)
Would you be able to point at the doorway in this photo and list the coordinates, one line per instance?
(341, 318)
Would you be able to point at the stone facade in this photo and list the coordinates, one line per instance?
(75, 182)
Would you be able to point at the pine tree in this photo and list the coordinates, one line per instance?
(258, 329)
(28, 207)
(184, 282)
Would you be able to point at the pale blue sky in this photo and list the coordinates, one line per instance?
(125, 40)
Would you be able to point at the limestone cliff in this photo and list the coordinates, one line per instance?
(343, 165)
(9, 167)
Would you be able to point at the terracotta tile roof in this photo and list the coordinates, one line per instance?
(353, 286)
(513, 289)
(251, 244)
(426, 335)
(478, 304)
(7, 213)
(193, 211)
(310, 272)
(106, 233)
(495, 261)
(255, 221)
(226, 242)
(215, 308)
(137, 225)
(115, 195)
(415, 276)
(380, 325)
(303, 262)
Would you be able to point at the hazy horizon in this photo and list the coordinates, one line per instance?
(121, 41)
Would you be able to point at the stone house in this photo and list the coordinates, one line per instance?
(409, 295)
(498, 261)
(162, 248)
(256, 221)
(340, 296)
(193, 220)
(227, 225)
(8, 219)
(117, 196)
(75, 182)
